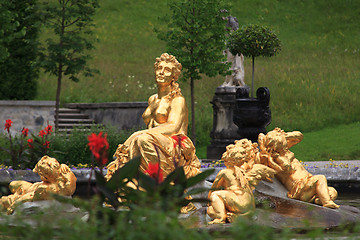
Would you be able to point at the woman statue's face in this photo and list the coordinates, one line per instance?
(164, 73)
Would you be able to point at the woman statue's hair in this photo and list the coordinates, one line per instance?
(176, 91)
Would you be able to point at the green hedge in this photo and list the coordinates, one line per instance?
(72, 149)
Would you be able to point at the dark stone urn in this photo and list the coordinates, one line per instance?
(252, 115)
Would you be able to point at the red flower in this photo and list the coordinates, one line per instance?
(42, 133)
(30, 142)
(48, 129)
(98, 146)
(47, 144)
(179, 140)
(155, 171)
(8, 125)
(25, 132)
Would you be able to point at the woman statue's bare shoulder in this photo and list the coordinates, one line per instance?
(179, 100)
(152, 98)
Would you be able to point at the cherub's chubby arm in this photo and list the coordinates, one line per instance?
(293, 138)
(267, 160)
(43, 191)
(259, 172)
(68, 185)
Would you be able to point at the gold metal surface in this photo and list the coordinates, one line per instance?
(166, 118)
(274, 149)
(232, 189)
(55, 178)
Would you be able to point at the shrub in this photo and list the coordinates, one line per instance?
(72, 149)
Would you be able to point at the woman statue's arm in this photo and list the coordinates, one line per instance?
(147, 113)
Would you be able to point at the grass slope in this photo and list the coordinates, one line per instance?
(314, 82)
(338, 143)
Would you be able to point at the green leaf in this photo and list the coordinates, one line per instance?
(177, 176)
(199, 177)
(147, 182)
(109, 194)
(125, 173)
(195, 191)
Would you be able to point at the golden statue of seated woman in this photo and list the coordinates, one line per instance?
(274, 146)
(166, 118)
(232, 189)
(56, 179)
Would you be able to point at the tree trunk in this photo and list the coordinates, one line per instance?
(193, 130)
(60, 70)
(58, 91)
(253, 71)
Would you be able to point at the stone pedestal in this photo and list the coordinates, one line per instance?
(224, 130)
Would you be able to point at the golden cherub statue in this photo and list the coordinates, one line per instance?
(56, 179)
(166, 118)
(274, 146)
(232, 189)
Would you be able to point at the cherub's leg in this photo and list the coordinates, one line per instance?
(5, 202)
(217, 210)
(28, 197)
(221, 201)
(317, 185)
(332, 193)
(224, 201)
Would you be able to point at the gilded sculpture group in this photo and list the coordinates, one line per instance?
(166, 118)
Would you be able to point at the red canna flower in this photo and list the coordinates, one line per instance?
(8, 125)
(155, 171)
(42, 133)
(25, 132)
(47, 144)
(179, 140)
(99, 145)
(30, 142)
(48, 129)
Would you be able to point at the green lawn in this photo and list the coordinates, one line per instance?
(314, 81)
(338, 143)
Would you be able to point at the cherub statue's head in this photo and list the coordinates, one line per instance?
(243, 151)
(274, 140)
(48, 169)
(168, 61)
(278, 140)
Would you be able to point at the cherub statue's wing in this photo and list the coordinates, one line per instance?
(240, 176)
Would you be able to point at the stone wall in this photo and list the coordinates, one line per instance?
(122, 115)
(34, 115)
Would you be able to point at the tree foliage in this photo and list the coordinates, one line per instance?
(20, 24)
(253, 41)
(195, 35)
(6, 26)
(66, 52)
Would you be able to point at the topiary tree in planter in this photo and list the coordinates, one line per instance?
(253, 41)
